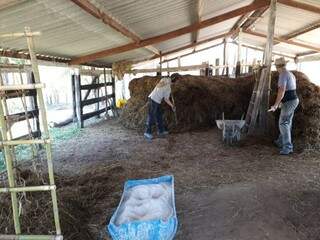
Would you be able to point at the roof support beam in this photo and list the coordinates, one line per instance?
(197, 12)
(247, 20)
(110, 21)
(303, 30)
(255, 16)
(262, 50)
(306, 54)
(25, 55)
(291, 42)
(192, 45)
(303, 6)
(239, 23)
(193, 52)
(172, 34)
(310, 58)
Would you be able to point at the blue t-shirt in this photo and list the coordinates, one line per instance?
(287, 80)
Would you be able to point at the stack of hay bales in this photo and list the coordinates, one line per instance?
(201, 100)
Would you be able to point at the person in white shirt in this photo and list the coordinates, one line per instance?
(162, 91)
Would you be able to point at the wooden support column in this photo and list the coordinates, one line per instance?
(96, 95)
(74, 105)
(267, 61)
(78, 100)
(160, 65)
(262, 102)
(217, 69)
(225, 58)
(238, 65)
(105, 90)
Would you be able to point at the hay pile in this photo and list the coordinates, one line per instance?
(201, 100)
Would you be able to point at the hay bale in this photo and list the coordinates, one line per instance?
(201, 100)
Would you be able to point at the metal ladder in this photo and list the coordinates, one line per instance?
(7, 145)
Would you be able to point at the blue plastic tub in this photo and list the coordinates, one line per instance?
(145, 230)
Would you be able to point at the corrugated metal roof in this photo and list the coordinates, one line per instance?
(217, 29)
(288, 19)
(66, 29)
(216, 7)
(137, 54)
(150, 18)
(69, 31)
(310, 37)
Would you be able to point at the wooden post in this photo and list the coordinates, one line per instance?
(160, 64)
(267, 61)
(105, 90)
(262, 101)
(96, 95)
(78, 100)
(74, 105)
(238, 64)
(225, 58)
(246, 62)
(217, 64)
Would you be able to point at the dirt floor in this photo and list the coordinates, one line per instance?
(244, 192)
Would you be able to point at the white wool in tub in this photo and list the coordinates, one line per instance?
(146, 202)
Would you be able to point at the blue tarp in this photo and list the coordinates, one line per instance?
(145, 230)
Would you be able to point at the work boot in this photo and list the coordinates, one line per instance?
(277, 143)
(148, 136)
(163, 134)
(286, 151)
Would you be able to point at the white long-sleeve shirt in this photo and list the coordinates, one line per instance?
(160, 93)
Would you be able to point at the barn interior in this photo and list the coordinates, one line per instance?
(75, 77)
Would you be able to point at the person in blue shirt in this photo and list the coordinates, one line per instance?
(287, 99)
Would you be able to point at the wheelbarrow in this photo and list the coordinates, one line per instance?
(231, 129)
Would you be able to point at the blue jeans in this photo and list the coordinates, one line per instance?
(285, 124)
(154, 114)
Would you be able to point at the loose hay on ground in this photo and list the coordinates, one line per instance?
(80, 198)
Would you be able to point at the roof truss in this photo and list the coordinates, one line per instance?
(172, 34)
(110, 21)
(278, 39)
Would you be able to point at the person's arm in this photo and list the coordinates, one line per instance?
(282, 83)
(167, 100)
(280, 95)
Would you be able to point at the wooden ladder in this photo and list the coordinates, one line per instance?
(255, 100)
(8, 145)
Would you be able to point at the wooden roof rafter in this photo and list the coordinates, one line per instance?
(173, 34)
(25, 55)
(197, 13)
(279, 39)
(107, 19)
(301, 31)
(300, 5)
